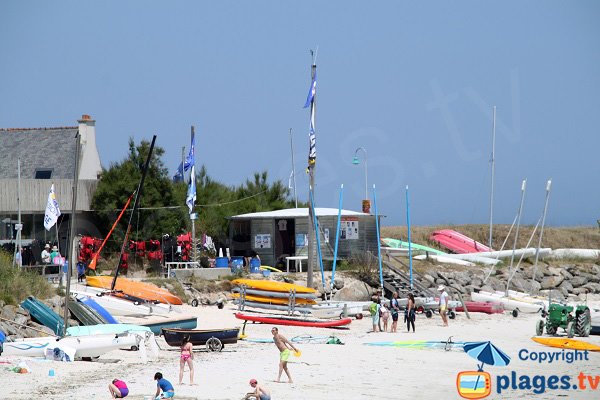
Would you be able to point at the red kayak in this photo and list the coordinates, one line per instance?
(457, 242)
(483, 307)
(277, 320)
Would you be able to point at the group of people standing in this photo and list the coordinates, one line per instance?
(381, 311)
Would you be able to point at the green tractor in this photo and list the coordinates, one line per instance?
(561, 316)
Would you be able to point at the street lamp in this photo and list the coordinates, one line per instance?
(356, 161)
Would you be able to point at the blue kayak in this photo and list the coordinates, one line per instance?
(88, 301)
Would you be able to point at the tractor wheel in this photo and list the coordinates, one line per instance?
(539, 327)
(515, 313)
(583, 323)
(429, 313)
(570, 329)
(551, 330)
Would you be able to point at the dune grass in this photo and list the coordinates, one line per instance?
(16, 284)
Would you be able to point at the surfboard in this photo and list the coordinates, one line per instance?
(266, 267)
(274, 286)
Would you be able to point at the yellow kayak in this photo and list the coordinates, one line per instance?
(273, 286)
(565, 343)
(137, 289)
(267, 268)
(272, 300)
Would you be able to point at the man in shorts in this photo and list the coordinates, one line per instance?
(284, 346)
(443, 304)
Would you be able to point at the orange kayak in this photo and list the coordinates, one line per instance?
(141, 290)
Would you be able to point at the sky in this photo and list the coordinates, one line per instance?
(413, 83)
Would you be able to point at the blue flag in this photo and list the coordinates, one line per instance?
(189, 165)
(311, 92)
(310, 101)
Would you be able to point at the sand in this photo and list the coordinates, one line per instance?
(351, 371)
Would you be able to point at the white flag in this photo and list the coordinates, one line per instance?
(52, 210)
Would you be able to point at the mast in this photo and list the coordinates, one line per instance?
(19, 226)
(492, 160)
(293, 168)
(512, 258)
(70, 253)
(312, 241)
(138, 195)
(537, 251)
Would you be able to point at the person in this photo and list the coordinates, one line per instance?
(19, 257)
(410, 312)
(443, 304)
(395, 311)
(284, 346)
(80, 270)
(374, 309)
(259, 393)
(118, 389)
(250, 255)
(186, 357)
(46, 254)
(162, 384)
(385, 315)
(53, 256)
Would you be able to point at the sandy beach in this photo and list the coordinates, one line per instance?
(350, 371)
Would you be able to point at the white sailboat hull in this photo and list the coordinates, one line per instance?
(510, 303)
(120, 307)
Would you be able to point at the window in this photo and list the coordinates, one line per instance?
(43, 173)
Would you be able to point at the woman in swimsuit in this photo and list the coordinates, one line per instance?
(187, 356)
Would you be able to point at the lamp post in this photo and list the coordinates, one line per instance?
(366, 206)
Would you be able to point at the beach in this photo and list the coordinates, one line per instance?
(324, 371)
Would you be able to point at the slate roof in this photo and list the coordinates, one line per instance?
(44, 148)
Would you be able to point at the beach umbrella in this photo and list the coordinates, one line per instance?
(487, 353)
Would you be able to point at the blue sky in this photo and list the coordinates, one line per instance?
(412, 82)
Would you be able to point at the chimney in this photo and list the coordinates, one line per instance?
(90, 166)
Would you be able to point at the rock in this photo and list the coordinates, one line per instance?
(354, 291)
(578, 281)
(21, 319)
(580, 291)
(476, 282)
(487, 288)
(551, 282)
(22, 311)
(592, 287)
(566, 273)
(463, 278)
(429, 278)
(564, 292)
(554, 271)
(338, 283)
(8, 312)
(566, 285)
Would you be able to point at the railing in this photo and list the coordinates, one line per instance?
(178, 265)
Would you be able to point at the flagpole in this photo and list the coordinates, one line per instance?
(19, 226)
(312, 251)
(293, 168)
(410, 263)
(492, 161)
(192, 214)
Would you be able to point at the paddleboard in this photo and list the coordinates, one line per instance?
(565, 343)
(274, 286)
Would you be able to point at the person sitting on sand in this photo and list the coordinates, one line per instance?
(284, 347)
(259, 393)
(162, 384)
(443, 304)
(118, 389)
(187, 357)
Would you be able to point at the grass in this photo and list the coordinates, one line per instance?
(580, 237)
(16, 284)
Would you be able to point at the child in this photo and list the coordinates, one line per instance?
(260, 392)
(162, 384)
(118, 389)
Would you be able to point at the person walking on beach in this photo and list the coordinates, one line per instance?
(118, 389)
(162, 384)
(410, 312)
(395, 309)
(443, 304)
(374, 310)
(284, 346)
(186, 357)
(259, 393)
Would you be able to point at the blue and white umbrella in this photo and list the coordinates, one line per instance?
(487, 353)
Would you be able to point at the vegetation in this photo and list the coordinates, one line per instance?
(16, 284)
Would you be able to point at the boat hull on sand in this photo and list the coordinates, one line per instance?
(457, 242)
(509, 303)
(283, 295)
(279, 320)
(199, 337)
(273, 300)
(274, 286)
(564, 343)
(482, 307)
(135, 289)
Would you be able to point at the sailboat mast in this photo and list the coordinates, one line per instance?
(70, 254)
(492, 161)
(138, 195)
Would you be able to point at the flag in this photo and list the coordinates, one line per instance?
(52, 210)
(178, 177)
(310, 101)
(190, 165)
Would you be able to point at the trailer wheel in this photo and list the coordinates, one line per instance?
(214, 344)
(429, 313)
(195, 303)
(451, 315)
(359, 316)
(515, 313)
